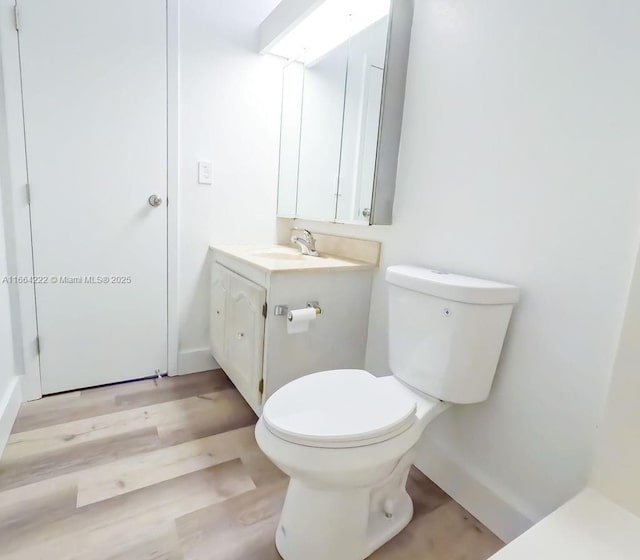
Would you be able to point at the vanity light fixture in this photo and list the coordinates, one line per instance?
(306, 30)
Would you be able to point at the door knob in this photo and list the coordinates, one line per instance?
(155, 200)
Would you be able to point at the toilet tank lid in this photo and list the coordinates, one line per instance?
(452, 286)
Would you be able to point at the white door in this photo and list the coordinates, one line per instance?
(94, 82)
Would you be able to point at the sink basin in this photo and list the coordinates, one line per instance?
(280, 255)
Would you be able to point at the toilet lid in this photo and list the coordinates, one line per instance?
(338, 408)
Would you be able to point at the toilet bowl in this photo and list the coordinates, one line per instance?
(347, 438)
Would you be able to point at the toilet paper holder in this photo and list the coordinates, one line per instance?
(283, 310)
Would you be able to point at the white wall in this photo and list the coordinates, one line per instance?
(10, 396)
(230, 111)
(617, 469)
(519, 163)
(11, 363)
(13, 178)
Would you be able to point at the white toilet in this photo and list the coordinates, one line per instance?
(347, 438)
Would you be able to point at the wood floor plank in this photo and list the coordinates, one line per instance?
(78, 432)
(172, 389)
(88, 403)
(35, 491)
(227, 411)
(447, 532)
(426, 495)
(124, 540)
(35, 511)
(33, 468)
(44, 412)
(261, 470)
(93, 529)
(151, 543)
(241, 528)
(140, 471)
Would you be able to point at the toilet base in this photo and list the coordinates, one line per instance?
(341, 524)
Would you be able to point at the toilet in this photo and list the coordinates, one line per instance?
(347, 439)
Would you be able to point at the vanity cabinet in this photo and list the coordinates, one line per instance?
(249, 338)
(237, 325)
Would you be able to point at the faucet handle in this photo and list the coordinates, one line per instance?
(305, 233)
(305, 240)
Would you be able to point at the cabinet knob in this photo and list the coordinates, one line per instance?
(240, 335)
(217, 312)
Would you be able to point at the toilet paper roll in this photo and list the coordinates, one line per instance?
(298, 320)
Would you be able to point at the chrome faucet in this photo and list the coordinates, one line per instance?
(306, 242)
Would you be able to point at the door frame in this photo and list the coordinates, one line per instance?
(24, 321)
(173, 184)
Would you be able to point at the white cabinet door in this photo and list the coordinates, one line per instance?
(217, 312)
(94, 78)
(245, 337)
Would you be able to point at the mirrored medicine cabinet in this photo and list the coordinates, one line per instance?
(340, 124)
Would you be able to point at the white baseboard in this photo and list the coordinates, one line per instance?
(9, 405)
(496, 512)
(193, 361)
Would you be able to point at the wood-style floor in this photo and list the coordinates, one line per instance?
(168, 469)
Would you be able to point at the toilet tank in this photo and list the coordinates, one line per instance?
(446, 331)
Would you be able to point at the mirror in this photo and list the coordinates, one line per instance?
(340, 125)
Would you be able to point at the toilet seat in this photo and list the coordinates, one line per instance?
(337, 409)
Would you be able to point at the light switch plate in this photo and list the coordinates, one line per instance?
(205, 173)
